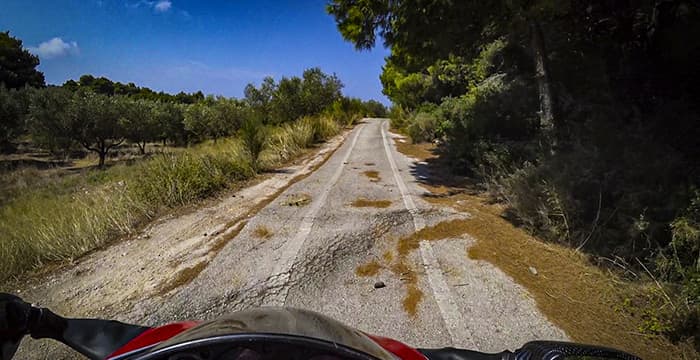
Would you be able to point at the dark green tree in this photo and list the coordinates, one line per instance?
(374, 108)
(170, 119)
(59, 118)
(200, 120)
(259, 99)
(17, 65)
(229, 115)
(319, 90)
(14, 105)
(287, 103)
(138, 121)
(50, 120)
(95, 120)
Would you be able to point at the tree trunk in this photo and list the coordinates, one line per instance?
(142, 147)
(542, 77)
(103, 156)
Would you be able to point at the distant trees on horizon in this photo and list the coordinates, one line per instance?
(100, 114)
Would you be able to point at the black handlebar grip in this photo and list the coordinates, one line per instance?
(555, 350)
(460, 354)
(94, 338)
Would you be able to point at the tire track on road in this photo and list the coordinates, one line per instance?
(281, 274)
(451, 315)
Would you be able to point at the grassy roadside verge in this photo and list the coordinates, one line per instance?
(44, 225)
(590, 304)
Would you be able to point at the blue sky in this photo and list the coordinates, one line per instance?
(214, 46)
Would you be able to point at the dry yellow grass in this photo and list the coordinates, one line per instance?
(388, 256)
(422, 151)
(362, 203)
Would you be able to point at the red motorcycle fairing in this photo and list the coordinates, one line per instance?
(272, 320)
(401, 350)
(152, 337)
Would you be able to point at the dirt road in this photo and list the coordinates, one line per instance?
(316, 235)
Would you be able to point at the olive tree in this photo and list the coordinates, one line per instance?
(138, 121)
(59, 119)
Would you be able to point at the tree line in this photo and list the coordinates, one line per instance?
(105, 86)
(582, 115)
(99, 114)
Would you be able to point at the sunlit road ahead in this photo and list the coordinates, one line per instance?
(303, 249)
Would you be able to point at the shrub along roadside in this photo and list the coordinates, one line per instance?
(609, 181)
(42, 226)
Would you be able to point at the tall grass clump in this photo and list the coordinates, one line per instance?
(177, 179)
(69, 218)
(325, 127)
(45, 225)
(39, 227)
(287, 141)
(253, 134)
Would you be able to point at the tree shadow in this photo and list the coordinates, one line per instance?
(437, 171)
(278, 171)
(39, 164)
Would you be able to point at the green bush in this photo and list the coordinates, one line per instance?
(346, 111)
(423, 127)
(398, 118)
(253, 133)
(499, 109)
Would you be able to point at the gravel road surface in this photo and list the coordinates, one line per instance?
(302, 249)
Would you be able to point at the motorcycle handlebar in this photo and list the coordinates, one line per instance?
(540, 350)
(461, 354)
(97, 338)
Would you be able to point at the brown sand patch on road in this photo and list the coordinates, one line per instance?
(369, 269)
(372, 175)
(297, 200)
(363, 203)
(262, 232)
(399, 264)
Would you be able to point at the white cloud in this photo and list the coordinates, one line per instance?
(158, 6)
(55, 47)
(162, 5)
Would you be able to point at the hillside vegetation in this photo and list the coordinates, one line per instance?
(53, 213)
(580, 115)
